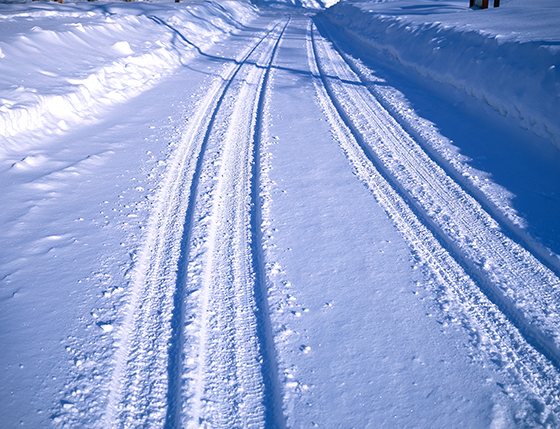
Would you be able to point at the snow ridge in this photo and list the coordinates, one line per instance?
(518, 79)
(446, 227)
(80, 85)
(83, 98)
(430, 140)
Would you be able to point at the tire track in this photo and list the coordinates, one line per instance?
(509, 222)
(230, 365)
(146, 386)
(447, 229)
(273, 394)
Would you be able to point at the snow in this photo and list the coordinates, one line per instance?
(506, 57)
(354, 298)
(219, 214)
(95, 60)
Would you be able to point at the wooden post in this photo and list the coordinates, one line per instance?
(496, 3)
(484, 4)
(471, 3)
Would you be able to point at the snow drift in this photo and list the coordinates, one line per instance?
(53, 78)
(515, 72)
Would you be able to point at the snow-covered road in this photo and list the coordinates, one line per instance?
(199, 284)
(259, 232)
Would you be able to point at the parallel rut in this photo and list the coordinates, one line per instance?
(195, 350)
(507, 296)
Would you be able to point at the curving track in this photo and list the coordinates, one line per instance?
(508, 296)
(197, 347)
(198, 277)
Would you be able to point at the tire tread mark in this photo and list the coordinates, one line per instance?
(498, 332)
(175, 366)
(512, 230)
(235, 350)
(142, 358)
(534, 335)
(276, 418)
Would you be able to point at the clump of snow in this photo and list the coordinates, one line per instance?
(105, 327)
(508, 57)
(123, 48)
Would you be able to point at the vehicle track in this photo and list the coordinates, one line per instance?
(447, 229)
(155, 377)
(509, 221)
(231, 374)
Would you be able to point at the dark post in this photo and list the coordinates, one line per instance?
(484, 4)
(496, 3)
(471, 3)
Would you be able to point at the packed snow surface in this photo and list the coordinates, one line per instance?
(220, 214)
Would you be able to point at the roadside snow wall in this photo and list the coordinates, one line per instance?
(87, 57)
(514, 67)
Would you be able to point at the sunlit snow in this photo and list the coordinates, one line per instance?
(279, 214)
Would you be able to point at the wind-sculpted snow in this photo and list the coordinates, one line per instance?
(99, 58)
(498, 56)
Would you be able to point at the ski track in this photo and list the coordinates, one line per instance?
(497, 289)
(192, 350)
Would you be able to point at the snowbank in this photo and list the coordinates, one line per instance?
(509, 57)
(103, 54)
(306, 4)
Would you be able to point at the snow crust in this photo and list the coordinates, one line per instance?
(507, 57)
